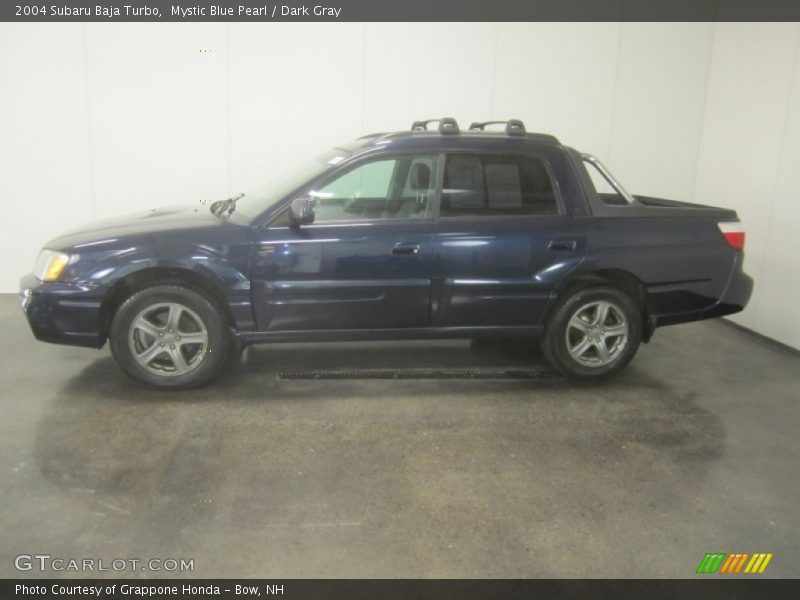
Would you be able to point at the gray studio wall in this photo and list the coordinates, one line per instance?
(100, 120)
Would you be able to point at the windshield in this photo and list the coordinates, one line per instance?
(255, 202)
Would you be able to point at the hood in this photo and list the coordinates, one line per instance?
(155, 221)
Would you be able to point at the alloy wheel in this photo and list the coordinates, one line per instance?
(597, 333)
(168, 339)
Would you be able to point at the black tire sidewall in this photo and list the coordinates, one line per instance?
(554, 345)
(219, 338)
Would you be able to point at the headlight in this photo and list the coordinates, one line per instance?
(50, 265)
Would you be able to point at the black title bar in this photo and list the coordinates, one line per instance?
(399, 10)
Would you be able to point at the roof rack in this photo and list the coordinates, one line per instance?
(513, 126)
(446, 125)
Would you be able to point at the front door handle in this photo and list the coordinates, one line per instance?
(562, 245)
(405, 248)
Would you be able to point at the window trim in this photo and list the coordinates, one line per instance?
(560, 207)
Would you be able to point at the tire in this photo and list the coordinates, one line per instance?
(170, 337)
(593, 333)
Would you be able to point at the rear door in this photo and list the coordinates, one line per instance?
(364, 263)
(502, 241)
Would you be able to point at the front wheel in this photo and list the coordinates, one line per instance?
(169, 337)
(593, 333)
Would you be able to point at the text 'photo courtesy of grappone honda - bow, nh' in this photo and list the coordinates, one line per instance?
(435, 232)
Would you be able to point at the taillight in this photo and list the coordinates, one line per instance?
(733, 232)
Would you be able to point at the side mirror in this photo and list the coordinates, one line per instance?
(301, 210)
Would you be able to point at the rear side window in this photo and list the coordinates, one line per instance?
(486, 185)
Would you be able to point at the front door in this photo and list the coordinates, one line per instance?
(365, 262)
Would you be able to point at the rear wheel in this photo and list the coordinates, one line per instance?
(169, 337)
(593, 333)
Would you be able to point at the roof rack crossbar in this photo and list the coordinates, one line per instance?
(446, 125)
(513, 126)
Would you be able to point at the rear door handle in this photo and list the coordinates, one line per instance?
(406, 248)
(562, 245)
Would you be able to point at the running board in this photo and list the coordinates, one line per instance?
(419, 374)
(409, 333)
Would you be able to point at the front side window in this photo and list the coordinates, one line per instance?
(401, 187)
(478, 185)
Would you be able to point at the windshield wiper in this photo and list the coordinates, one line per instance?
(226, 206)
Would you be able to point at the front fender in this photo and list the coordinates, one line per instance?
(222, 271)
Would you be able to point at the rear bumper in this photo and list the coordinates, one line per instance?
(733, 300)
(62, 313)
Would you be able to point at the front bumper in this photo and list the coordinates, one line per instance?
(62, 313)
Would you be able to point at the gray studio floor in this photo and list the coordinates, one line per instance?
(696, 448)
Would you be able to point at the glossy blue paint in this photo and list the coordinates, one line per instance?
(501, 272)
(343, 276)
(382, 279)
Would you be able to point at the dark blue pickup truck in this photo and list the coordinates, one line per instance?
(430, 233)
